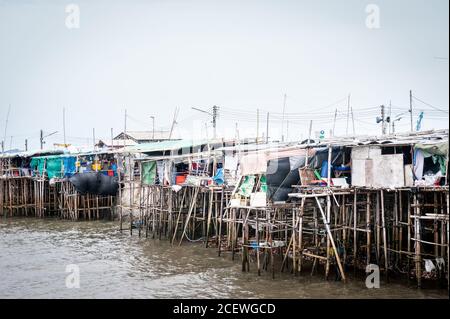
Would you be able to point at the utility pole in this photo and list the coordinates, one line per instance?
(353, 121)
(125, 128)
(348, 113)
(411, 109)
(214, 115)
(125, 124)
(287, 130)
(64, 126)
(383, 121)
(112, 138)
(267, 128)
(282, 119)
(42, 137)
(93, 136)
(153, 127)
(334, 122)
(307, 143)
(26, 145)
(257, 126)
(310, 131)
(390, 116)
(214, 121)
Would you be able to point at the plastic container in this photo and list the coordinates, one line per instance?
(180, 179)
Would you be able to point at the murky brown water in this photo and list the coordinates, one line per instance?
(34, 254)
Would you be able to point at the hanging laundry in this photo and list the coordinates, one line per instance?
(176, 188)
(218, 178)
(169, 176)
(324, 169)
(419, 160)
(160, 170)
(149, 172)
(429, 266)
(440, 263)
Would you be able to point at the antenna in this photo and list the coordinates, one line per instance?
(411, 109)
(348, 113)
(282, 119)
(64, 126)
(175, 115)
(6, 126)
(334, 122)
(257, 126)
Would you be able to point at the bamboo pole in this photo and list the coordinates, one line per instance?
(355, 238)
(368, 247)
(383, 225)
(327, 227)
(189, 214)
(257, 243)
(417, 236)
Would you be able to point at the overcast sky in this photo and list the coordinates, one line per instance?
(150, 57)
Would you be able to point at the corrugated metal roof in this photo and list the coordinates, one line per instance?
(252, 147)
(145, 135)
(120, 143)
(30, 153)
(163, 146)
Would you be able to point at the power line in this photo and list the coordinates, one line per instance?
(428, 104)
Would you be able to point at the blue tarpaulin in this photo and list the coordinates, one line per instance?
(69, 166)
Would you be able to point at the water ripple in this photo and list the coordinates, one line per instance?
(34, 254)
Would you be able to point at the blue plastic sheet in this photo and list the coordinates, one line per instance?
(69, 166)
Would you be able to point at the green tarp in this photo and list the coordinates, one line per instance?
(53, 165)
(263, 182)
(37, 164)
(440, 149)
(246, 187)
(149, 173)
(248, 184)
(437, 151)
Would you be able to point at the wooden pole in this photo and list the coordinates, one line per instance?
(383, 225)
(368, 247)
(417, 238)
(327, 227)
